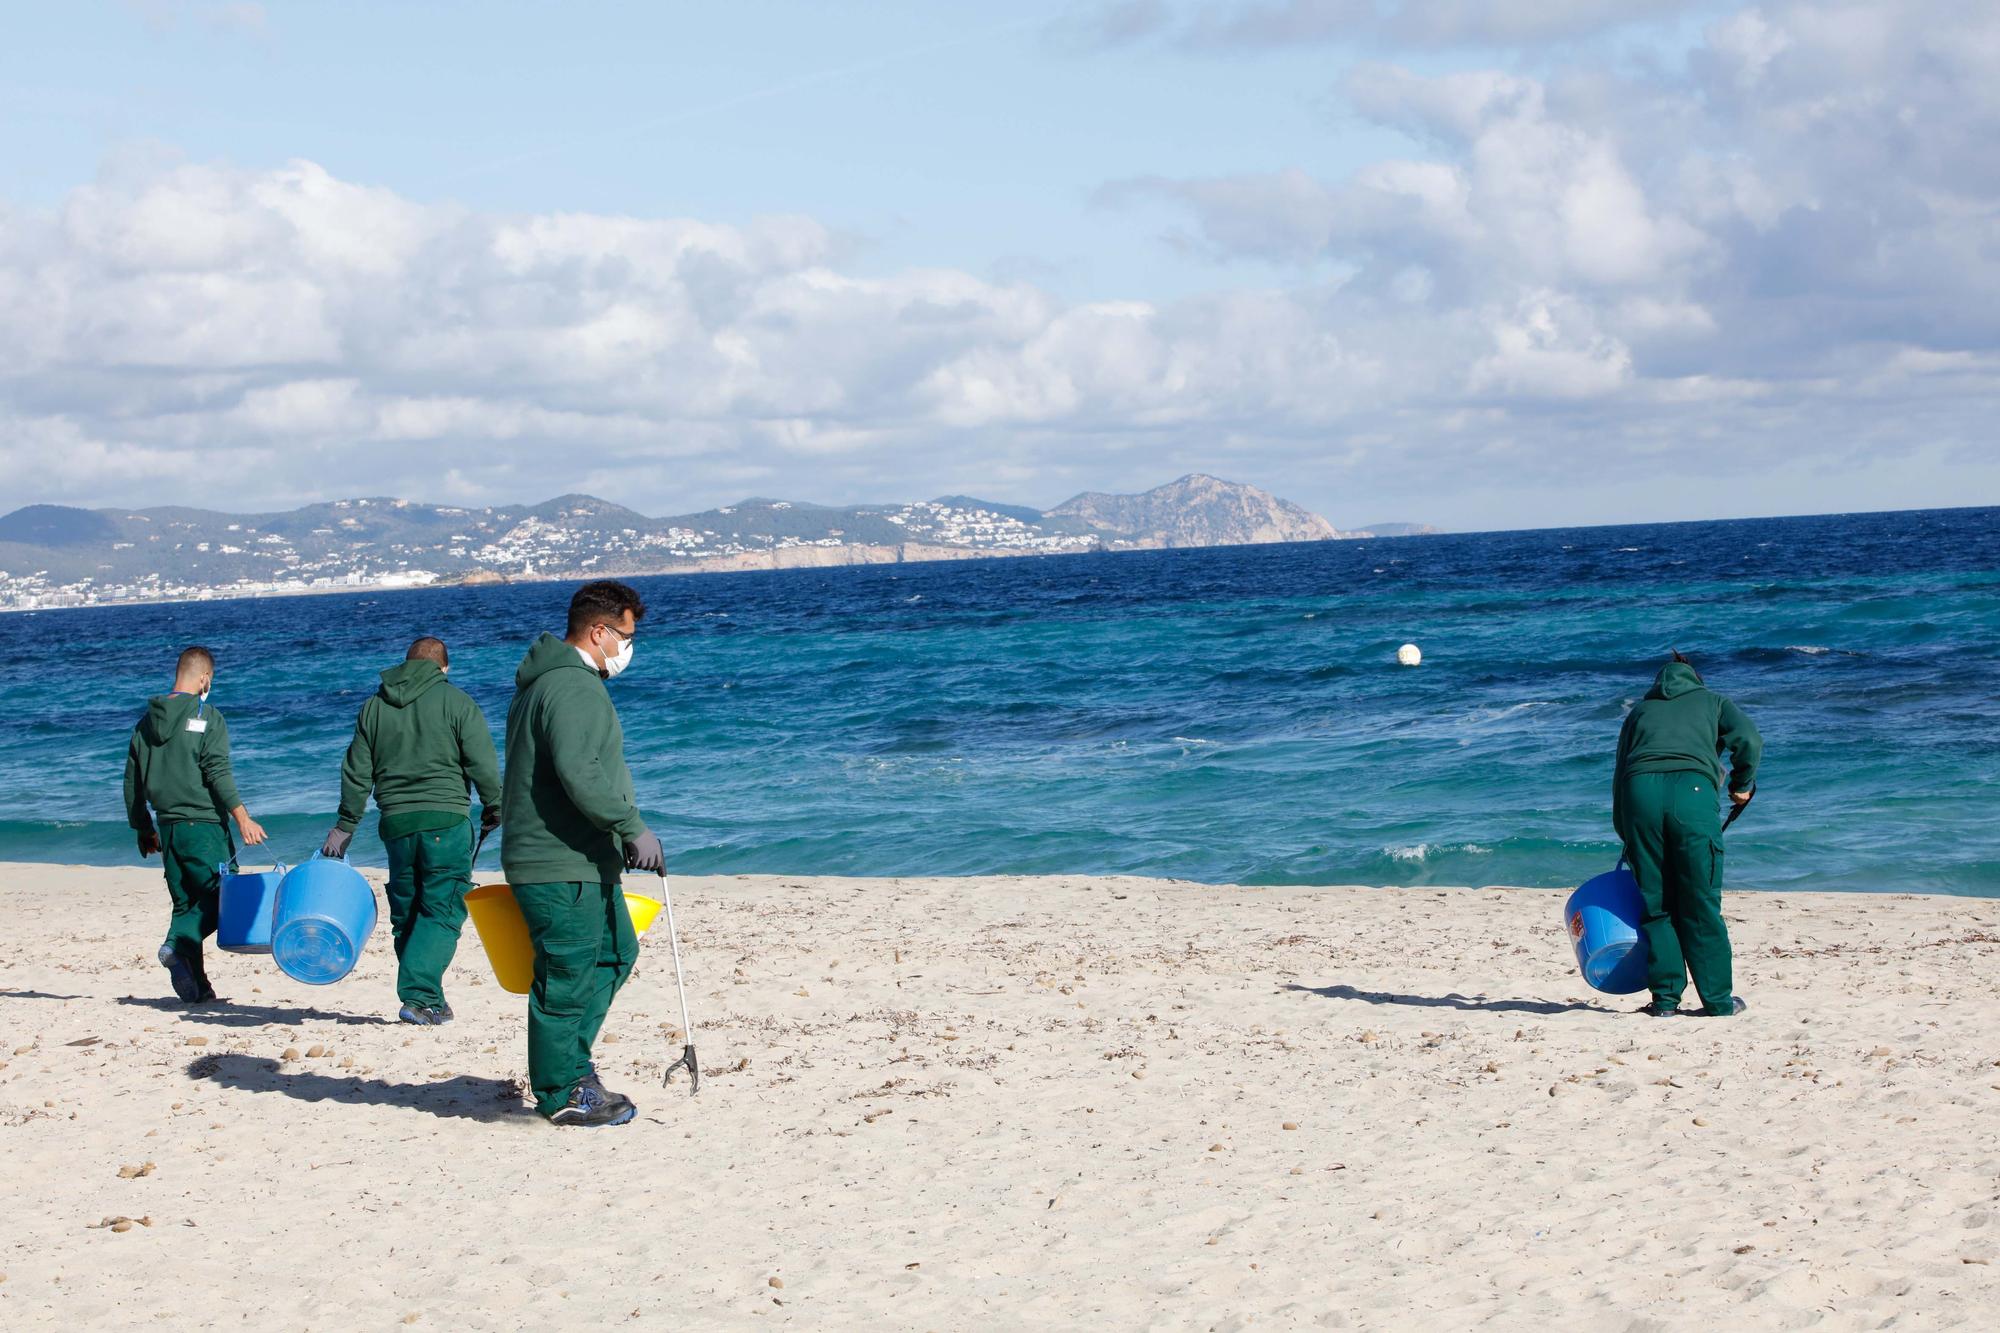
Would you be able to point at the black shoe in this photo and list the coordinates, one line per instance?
(1655, 1009)
(186, 985)
(417, 1014)
(442, 1014)
(589, 1106)
(208, 995)
(1736, 1006)
(591, 1080)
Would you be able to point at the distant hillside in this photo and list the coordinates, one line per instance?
(51, 555)
(1199, 510)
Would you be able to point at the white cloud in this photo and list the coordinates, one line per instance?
(1785, 252)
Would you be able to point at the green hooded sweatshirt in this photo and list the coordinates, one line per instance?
(420, 740)
(569, 799)
(178, 763)
(1681, 726)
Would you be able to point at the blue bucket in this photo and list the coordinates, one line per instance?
(243, 923)
(324, 915)
(1602, 919)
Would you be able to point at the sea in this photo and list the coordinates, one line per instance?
(1233, 715)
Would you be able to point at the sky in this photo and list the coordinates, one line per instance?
(1477, 263)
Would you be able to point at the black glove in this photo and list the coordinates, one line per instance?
(489, 819)
(645, 853)
(335, 845)
(149, 842)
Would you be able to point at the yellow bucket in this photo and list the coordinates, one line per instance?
(504, 931)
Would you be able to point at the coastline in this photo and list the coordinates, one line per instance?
(1022, 1100)
(749, 562)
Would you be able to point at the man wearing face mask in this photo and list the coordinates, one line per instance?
(573, 825)
(419, 744)
(177, 773)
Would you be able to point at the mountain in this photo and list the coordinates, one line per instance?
(52, 555)
(1198, 510)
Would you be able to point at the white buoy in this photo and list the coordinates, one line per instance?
(1410, 655)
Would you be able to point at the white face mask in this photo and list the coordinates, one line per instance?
(622, 659)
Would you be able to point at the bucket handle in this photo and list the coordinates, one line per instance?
(230, 867)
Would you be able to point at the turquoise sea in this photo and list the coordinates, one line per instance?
(1223, 715)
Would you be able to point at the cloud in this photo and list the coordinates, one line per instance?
(1253, 25)
(1774, 262)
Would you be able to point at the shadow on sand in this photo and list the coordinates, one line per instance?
(464, 1097)
(1466, 1002)
(225, 1014)
(36, 995)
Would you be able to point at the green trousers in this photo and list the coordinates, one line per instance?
(429, 875)
(584, 949)
(192, 852)
(1673, 839)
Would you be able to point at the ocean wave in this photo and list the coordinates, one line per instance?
(1418, 853)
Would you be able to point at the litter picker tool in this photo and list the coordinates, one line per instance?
(1738, 807)
(687, 1026)
(477, 846)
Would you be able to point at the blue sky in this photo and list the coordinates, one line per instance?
(1485, 264)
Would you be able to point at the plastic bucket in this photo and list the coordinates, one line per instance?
(1602, 919)
(504, 931)
(243, 919)
(324, 915)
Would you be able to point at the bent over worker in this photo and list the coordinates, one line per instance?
(177, 773)
(1664, 805)
(419, 744)
(573, 824)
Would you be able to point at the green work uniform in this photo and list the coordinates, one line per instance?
(419, 744)
(571, 809)
(177, 772)
(1664, 806)
(584, 950)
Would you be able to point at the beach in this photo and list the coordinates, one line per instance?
(1018, 1102)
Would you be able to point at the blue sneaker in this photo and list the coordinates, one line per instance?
(186, 985)
(590, 1106)
(419, 1015)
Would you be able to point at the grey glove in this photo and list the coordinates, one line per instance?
(335, 845)
(645, 853)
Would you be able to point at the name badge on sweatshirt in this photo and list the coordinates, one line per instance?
(197, 724)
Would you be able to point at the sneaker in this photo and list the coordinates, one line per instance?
(442, 1014)
(419, 1015)
(186, 985)
(208, 994)
(1655, 1009)
(591, 1080)
(589, 1106)
(1736, 1006)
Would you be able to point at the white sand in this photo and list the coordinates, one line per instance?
(1065, 1103)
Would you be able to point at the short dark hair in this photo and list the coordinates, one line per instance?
(602, 602)
(194, 657)
(430, 649)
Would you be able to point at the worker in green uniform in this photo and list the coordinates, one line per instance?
(419, 745)
(178, 793)
(573, 825)
(1664, 805)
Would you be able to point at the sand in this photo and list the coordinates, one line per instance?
(1011, 1103)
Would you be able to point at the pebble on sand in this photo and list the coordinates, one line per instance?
(196, 1041)
(134, 1172)
(774, 1282)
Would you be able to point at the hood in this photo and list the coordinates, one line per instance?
(404, 684)
(549, 654)
(167, 714)
(1676, 679)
